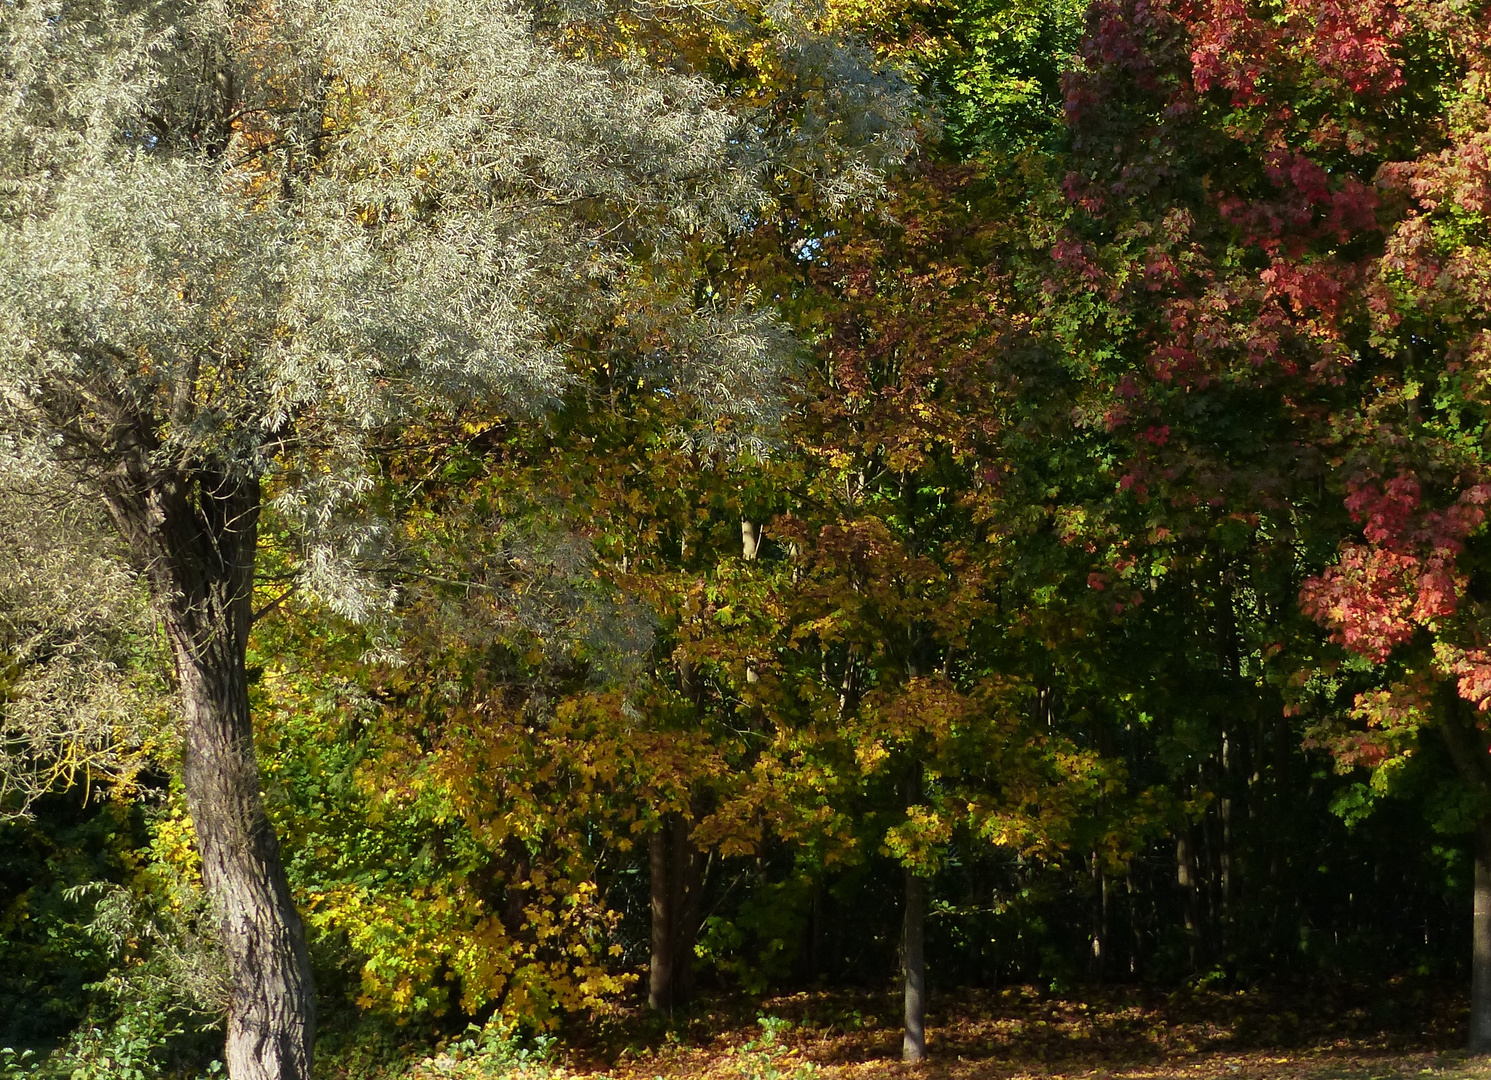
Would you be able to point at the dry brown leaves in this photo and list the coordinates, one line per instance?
(1389, 1032)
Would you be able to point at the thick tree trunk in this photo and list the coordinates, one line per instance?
(197, 538)
(914, 969)
(1480, 972)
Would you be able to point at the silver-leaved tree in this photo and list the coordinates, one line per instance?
(240, 239)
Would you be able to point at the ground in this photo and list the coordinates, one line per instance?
(1326, 1032)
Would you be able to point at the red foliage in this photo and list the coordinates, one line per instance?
(1286, 210)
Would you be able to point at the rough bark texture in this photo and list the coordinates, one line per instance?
(677, 883)
(914, 964)
(196, 535)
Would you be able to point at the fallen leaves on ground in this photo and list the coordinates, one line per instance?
(1335, 1032)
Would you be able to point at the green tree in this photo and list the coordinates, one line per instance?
(235, 249)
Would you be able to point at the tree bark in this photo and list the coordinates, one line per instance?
(750, 545)
(1185, 877)
(750, 539)
(196, 535)
(914, 969)
(660, 970)
(1468, 748)
(676, 871)
(1098, 961)
(1480, 971)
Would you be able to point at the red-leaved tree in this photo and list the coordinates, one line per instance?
(1275, 283)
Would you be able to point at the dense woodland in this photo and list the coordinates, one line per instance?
(526, 513)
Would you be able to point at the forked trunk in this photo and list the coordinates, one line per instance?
(914, 965)
(197, 539)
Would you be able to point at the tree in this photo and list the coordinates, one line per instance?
(1276, 210)
(241, 240)
(896, 680)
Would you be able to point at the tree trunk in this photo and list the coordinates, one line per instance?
(1480, 972)
(1185, 877)
(914, 968)
(660, 971)
(688, 908)
(1468, 749)
(676, 869)
(750, 539)
(1136, 933)
(197, 537)
(1098, 961)
(750, 545)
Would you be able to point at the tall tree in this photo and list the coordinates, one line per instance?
(238, 240)
(898, 679)
(1277, 212)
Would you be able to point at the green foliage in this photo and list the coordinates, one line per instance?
(491, 1051)
(767, 1057)
(1019, 604)
(47, 956)
(139, 1045)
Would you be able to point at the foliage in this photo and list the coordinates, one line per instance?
(81, 700)
(1249, 259)
(1126, 495)
(491, 1052)
(48, 956)
(766, 1057)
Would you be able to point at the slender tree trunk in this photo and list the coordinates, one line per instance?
(751, 534)
(1480, 972)
(1098, 962)
(1468, 749)
(1136, 934)
(197, 537)
(676, 870)
(914, 968)
(688, 906)
(1227, 879)
(660, 973)
(1185, 877)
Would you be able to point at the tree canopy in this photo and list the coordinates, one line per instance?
(510, 510)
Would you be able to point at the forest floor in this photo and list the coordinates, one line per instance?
(1386, 1032)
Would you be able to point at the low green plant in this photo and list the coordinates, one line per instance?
(155, 1015)
(493, 1051)
(767, 1057)
(133, 1047)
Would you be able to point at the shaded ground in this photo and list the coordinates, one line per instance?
(1325, 1033)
